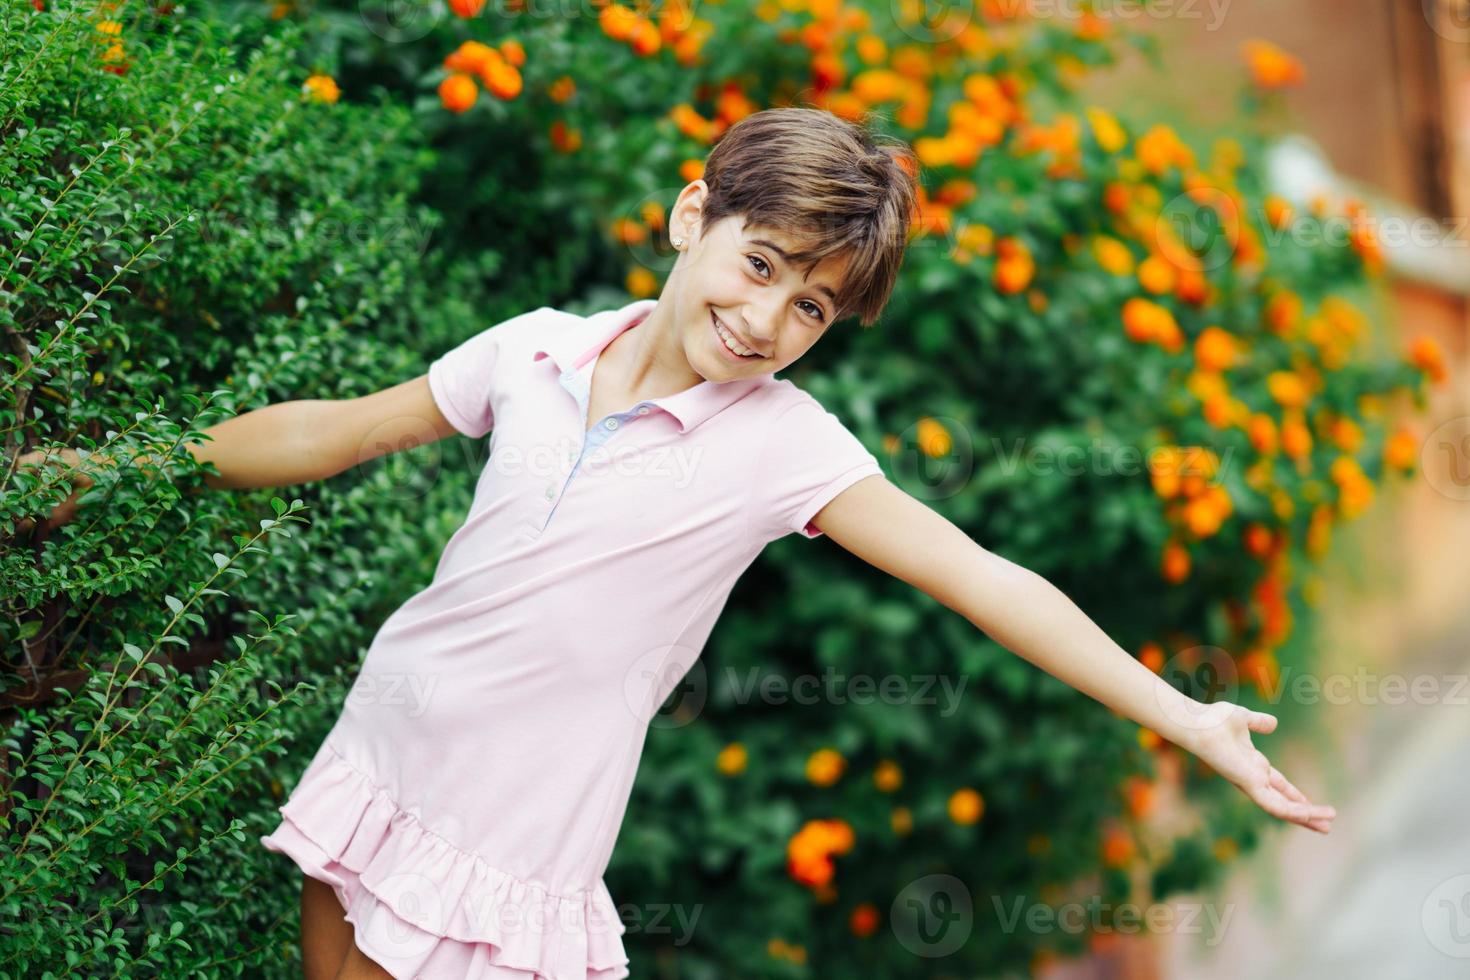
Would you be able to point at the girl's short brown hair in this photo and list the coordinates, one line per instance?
(831, 185)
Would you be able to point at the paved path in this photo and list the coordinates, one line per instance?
(1386, 895)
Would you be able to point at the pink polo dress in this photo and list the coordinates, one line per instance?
(465, 804)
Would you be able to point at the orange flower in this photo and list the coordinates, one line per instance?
(887, 776)
(644, 38)
(562, 89)
(1426, 355)
(503, 80)
(466, 8)
(1112, 255)
(1160, 148)
(1288, 388)
(321, 88)
(732, 759)
(1139, 793)
(1151, 655)
(691, 170)
(1261, 669)
(1296, 438)
(1278, 211)
(1145, 321)
(966, 806)
(934, 438)
(1204, 514)
(458, 92)
(618, 21)
(1283, 312)
(1271, 67)
(1259, 541)
(1262, 432)
(565, 139)
(1193, 287)
(513, 52)
(691, 123)
(809, 852)
(871, 49)
(471, 58)
(640, 282)
(1175, 564)
(1347, 434)
(864, 920)
(1215, 349)
(902, 821)
(825, 766)
(1014, 266)
(1117, 847)
(1156, 275)
(1401, 450)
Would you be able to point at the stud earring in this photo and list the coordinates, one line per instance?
(678, 243)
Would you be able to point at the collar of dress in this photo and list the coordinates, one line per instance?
(572, 348)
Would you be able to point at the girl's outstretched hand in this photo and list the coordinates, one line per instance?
(1223, 741)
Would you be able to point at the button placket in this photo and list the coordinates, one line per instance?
(577, 385)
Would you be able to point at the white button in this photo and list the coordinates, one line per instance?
(551, 492)
(612, 423)
(643, 410)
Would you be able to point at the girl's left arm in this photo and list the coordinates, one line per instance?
(1025, 613)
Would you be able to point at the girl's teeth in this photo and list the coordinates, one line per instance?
(732, 343)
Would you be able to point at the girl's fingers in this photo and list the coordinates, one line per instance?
(1260, 721)
(1284, 784)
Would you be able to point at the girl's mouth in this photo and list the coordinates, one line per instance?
(724, 339)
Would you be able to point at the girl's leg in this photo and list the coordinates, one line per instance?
(358, 967)
(325, 935)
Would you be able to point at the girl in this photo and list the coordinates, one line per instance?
(640, 459)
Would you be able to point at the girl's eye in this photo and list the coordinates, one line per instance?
(816, 310)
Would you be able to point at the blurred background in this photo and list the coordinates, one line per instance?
(1182, 327)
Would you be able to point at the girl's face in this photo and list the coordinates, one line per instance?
(745, 311)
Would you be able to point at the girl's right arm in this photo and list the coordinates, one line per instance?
(291, 442)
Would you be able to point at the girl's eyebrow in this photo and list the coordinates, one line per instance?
(787, 259)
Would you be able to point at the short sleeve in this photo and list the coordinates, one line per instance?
(462, 379)
(808, 459)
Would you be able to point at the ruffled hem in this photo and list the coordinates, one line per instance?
(425, 909)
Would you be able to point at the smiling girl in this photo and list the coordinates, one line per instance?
(464, 832)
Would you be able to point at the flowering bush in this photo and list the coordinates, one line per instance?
(1077, 284)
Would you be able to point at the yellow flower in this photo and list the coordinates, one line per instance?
(934, 439)
(641, 282)
(732, 759)
(1112, 255)
(1110, 136)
